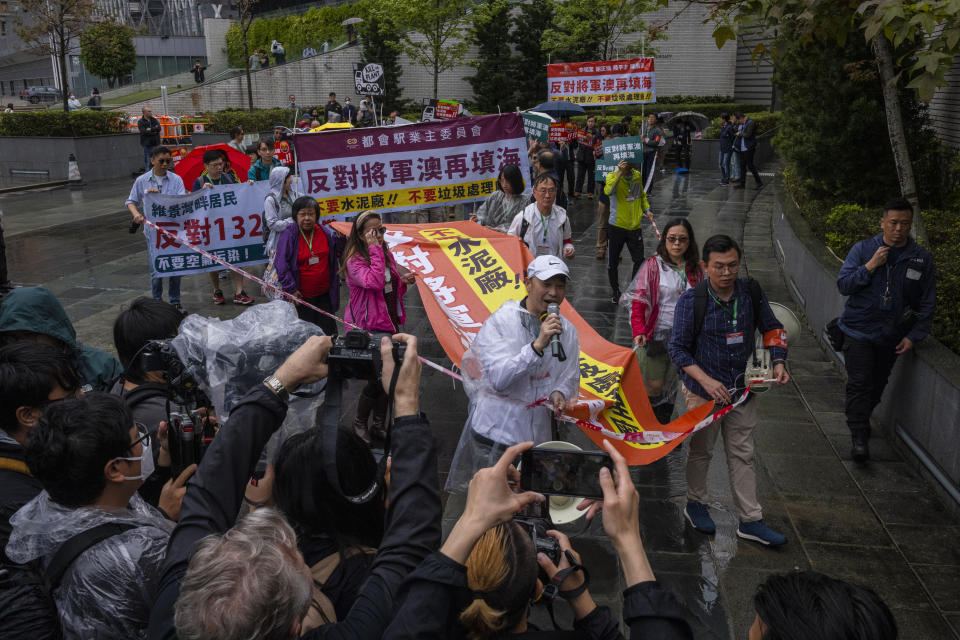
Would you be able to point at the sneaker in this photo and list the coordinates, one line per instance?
(759, 532)
(242, 298)
(698, 515)
(615, 298)
(218, 297)
(860, 449)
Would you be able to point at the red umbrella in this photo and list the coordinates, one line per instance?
(191, 166)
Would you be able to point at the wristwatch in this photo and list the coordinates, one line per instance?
(277, 387)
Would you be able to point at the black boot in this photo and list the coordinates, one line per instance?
(860, 451)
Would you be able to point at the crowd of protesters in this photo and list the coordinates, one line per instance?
(98, 539)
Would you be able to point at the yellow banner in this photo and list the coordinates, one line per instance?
(407, 198)
(603, 98)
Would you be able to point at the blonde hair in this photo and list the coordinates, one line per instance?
(502, 574)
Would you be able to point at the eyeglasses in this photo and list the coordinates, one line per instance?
(144, 436)
(547, 191)
(381, 230)
(677, 239)
(164, 160)
(725, 268)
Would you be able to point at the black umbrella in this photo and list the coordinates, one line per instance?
(558, 108)
(697, 120)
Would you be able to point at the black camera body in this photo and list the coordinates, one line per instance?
(189, 435)
(357, 355)
(542, 543)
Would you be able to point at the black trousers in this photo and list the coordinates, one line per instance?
(616, 238)
(746, 162)
(4, 278)
(565, 174)
(868, 369)
(588, 170)
(328, 324)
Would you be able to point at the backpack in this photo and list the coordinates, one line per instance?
(700, 303)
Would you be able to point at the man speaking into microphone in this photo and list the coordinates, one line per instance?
(524, 352)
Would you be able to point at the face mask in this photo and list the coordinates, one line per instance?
(146, 464)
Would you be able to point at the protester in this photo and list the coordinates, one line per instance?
(622, 128)
(279, 53)
(158, 180)
(585, 160)
(681, 139)
(712, 352)
(90, 458)
(260, 170)
(308, 52)
(307, 264)
(807, 605)
(280, 132)
(278, 206)
(198, 70)
(511, 364)
(392, 118)
(546, 162)
(95, 100)
(746, 145)
(236, 139)
(603, 202)
(367, 117)
(656, 289)
(377, 286)
(482, 581)
(563, 155)
(149, 135)
(727, 130)
(543, 226)
(349, 112)
(628, 205)
(260, 552)
(890, 282)
(653, 139)
(254, 60)
(332, 108)
(35, 314)
(503, 205)
(264, 60)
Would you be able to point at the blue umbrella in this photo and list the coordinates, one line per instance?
(559, 108)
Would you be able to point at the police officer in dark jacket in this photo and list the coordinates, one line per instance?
(216, 492)
(891, 284)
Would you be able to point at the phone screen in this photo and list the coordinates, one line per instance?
(564, 473)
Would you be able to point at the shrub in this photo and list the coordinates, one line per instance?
(57, 124)
(846, 225)
(257, 120)
(943, 229)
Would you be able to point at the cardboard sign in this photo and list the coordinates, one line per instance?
(562, 131)
(283, 153)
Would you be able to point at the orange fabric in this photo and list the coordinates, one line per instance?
(466, 271)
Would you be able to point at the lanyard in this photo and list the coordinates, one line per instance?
(543, 223)
(310, 241)
(682, 272)
(726, 309)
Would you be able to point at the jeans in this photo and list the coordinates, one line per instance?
(616, 238)
(585, 170)
(173, 287)
(725, 157)
(146, 158)
(868, 368)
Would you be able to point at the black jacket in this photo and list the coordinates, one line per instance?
(215, 494)
(149, 131)
(17, 486)
(435, 594)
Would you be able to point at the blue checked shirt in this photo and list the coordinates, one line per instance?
(170, 184)
(710, 351)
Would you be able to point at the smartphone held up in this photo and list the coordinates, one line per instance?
(563, 472)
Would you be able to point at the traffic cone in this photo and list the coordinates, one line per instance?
(73, 173)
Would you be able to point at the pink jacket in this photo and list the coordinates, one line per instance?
(368, 307)
(646, 307)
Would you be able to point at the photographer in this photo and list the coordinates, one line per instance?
(91, 457)
(33, 313)
(483, 579)
(250, 580)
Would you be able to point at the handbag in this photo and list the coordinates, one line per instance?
(835, 335)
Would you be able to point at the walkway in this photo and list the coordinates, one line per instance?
(878, 523)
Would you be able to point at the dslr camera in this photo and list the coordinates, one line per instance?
(534, 521)
(357, 355)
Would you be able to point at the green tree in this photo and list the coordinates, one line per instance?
(106, 50)
(593, 29)
(381, 43)
(494, 84)
(245, 10)
(52, 27)
(442, 43)
(530, 63)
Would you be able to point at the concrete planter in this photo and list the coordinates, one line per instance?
(32, 159)
(922, 401)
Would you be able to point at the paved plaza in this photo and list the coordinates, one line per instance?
(876, 523)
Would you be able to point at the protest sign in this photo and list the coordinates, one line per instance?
(446, 109)
(584, 137)
(562, 131)
(283, 153)
(537, 126)
(602, 82)
(368, 79)
(466, 272)
(603, 167)
(630, 149)
(415, 166)
(225, 220)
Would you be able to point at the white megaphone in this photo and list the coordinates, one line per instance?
(759, 367)
(563, 509)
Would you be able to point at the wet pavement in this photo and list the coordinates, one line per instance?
(878, 523)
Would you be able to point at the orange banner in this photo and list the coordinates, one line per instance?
(466, 272)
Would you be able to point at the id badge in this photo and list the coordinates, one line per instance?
(313, 260)
(735, 338)
(388, 288)
(543, 249)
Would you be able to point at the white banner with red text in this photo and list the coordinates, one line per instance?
(602, 82)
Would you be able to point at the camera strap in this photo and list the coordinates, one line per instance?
(552, 589)
(331, 434)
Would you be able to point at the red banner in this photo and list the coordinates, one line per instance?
(602, 82)
(466, 272)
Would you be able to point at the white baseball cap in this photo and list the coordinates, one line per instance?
(545, 267)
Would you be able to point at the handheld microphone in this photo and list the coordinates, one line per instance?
(555, 347)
